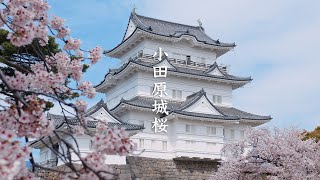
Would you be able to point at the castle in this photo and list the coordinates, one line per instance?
(191, 96)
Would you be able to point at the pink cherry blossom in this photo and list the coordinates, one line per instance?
(12, 158)
(112, 141)
(57, 22)
(81, 105)
(95, 54)
(62, 32)
(46, 77)
(22, 16)
(87, 89)
(22, 36)
(72, 44)
(265, 154)
(96, 161)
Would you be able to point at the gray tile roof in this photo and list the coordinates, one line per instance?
(60, 120)
(228, 113)
(179, 70)
(145, 102)
(171, 29)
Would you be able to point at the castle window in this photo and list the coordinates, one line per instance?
(179, 94)
(217, 99)
(242, 134)
(188, 59)
(46, 157)
(90, 144)
(190, 129)
(141, 143)
(211, 130)
(190, 145)
(164, 145)
(232, 134)
(176, 94)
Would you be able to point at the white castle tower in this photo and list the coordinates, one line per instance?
(201, 117)
(196, 117)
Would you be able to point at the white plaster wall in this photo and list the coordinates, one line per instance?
(126, 89)
(140, 84)
(131, 27)
(180, 50)
(84, 147)
(45, 154)
(133, 52)
(203, 106)
(203, 145)
(186, 85)
(102, 114)
(177, 50)
(237, 131)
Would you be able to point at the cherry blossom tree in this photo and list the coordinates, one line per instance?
(34, 76)
(265, 154)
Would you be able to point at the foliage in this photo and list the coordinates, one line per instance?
(313, 134)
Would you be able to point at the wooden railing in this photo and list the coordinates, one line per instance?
(181, 62)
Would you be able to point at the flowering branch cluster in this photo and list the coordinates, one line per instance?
(106, 141)
(281, 154)
(33, 76)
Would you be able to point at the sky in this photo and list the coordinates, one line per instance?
(277, 45)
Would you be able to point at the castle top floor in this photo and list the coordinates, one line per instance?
(179, 41)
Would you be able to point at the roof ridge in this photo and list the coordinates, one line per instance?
(196, 96)
(196, 93)
(165, 59)
(213, 67)
(166, 21)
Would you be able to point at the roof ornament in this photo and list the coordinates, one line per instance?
(101, 102)
(200, 24)
(134, 9)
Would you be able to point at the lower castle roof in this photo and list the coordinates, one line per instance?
(60, 120)
(236, 80)
(176, 107)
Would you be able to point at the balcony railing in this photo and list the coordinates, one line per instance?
(179, 62)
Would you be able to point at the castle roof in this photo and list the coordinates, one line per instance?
(224, 77)
(60, 120)
(172, 29)
(181, 108)
(169, 31)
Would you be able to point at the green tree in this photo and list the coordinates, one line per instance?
(313, 134)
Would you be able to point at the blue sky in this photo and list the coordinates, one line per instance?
(277, 45)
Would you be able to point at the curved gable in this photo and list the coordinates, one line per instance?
(102, 114)
(203, 106)
(130, 29)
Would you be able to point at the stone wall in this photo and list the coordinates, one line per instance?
(140, 168)
(149, 168)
